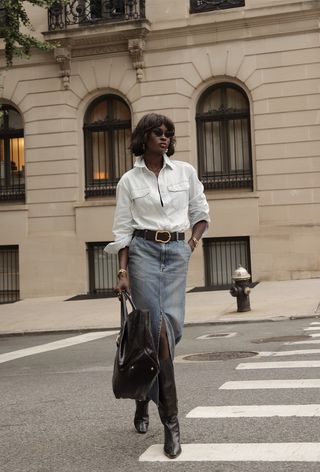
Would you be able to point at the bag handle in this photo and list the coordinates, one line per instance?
(125, 296)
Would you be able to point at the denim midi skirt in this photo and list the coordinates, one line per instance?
(157, 275)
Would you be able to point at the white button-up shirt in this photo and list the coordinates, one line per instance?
(173, 201)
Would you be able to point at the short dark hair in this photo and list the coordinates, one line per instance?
(143, 129)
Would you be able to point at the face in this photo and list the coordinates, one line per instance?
(159, 140)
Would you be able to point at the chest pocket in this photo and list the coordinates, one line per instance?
(179, 194)
(139, 192)
(140, 198)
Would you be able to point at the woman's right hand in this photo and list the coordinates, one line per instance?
(122, 285)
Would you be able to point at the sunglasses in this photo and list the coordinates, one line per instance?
(159, 132)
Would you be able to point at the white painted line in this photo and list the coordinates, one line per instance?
(235, 452)
(315, 323)
(312, 328)
(314, 335)
(253, 411)
(217, 336)
(298, 352)
(278, 365)
(310, 341)
(30, 351)
(269, 384)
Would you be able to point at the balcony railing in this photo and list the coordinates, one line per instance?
(199, 6)
(88, 12)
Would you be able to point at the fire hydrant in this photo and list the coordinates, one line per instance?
(241, 288)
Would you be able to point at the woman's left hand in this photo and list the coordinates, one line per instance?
(191, 245)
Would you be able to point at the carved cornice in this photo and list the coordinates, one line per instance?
(100, 35)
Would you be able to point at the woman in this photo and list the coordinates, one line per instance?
(157, 201)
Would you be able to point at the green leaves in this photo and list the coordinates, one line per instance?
(12, 15)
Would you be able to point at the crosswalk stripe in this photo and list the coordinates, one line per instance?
(307, 341)
(30, 351)
(278, 365)
(270, 384)
(235, 452)
(314, 335)
(298, 352)
(315, 323)
(253, 411)
(312, 328)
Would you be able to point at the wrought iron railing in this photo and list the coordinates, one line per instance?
(88, 12)
(12, 193)
(198, 6)
(228, 180)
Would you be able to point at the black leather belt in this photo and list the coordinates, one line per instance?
(159, 236)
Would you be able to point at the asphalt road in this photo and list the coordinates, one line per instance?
(58, 412)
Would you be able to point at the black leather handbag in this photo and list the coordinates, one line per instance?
(136, 364)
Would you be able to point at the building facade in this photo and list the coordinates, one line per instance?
(241, 81)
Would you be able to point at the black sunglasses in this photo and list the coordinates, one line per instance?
(159, 132)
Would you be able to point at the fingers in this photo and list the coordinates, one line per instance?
(118, 291)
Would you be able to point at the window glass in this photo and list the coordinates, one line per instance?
(12, 165)
(107, 129)
(223, 134)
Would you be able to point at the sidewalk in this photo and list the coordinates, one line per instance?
(269, 300)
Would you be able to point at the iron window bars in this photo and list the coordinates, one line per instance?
(199, 6)
(9, 274)
(103, 270)
(224, 138)
(222, 256)
(88, 12)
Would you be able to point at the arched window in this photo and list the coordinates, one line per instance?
(12, 182)
(224, 141)
(107, 134)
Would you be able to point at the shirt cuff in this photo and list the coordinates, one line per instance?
(115, 246)
(196, 220)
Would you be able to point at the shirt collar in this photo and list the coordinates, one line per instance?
(166, 162)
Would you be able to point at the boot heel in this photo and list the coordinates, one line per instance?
(172, 447)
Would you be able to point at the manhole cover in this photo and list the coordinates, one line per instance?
(280, 339)
(218, 356)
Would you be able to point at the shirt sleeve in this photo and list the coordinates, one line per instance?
(198, 205)
(123, 221)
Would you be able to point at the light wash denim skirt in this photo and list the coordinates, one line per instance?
(157, 275)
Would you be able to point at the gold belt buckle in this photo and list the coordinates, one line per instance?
(161, 240)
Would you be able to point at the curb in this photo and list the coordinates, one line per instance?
(186, 325)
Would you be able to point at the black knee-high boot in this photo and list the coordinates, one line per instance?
(168, 409)
(141, 417)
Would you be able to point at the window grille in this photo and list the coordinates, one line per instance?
(86, 12)
(199, 6)
(224, 138)
(12, 172)
(9, 274)
(107, 135)
(222, 256)
(103, 269)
